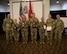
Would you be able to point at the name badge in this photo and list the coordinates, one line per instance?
(44, 26)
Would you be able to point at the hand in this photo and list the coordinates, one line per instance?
(17, 29)
(3, 29)
(61, 31)
(12, 29)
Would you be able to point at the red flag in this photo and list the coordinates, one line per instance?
(30, 10)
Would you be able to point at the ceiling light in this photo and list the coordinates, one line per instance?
(8, 4)
(57, 1)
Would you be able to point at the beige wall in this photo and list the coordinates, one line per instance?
(65, 21)
(46, 6)
(38, 11)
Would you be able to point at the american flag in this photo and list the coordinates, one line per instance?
(20, 11)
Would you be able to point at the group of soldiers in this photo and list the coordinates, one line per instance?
(52, 29)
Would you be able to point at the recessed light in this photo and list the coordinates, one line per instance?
(57, 1)
(8, 4)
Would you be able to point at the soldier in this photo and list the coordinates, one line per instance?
(7, 27)
(42, 30)
(50, 28)
(33, 26)
(59, 29)
(16, 29)
(24, 24)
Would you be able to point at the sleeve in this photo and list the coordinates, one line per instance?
(37, 22)
(27, 23)
(38, 25)
(30, 21)
(12, 26)
(4, 22)
(46, 22)
(53, 24)
(62, 25)
(20, 24)
(18, 27)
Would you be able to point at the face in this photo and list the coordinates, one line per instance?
(49, 16)
(58, 16)
(33, 15)
(8, 16)
(15, 21)
(42, 19)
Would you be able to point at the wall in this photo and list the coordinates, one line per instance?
(59, 6)
(46, 6)
(4, 8)
(38, 11)
(65, 21)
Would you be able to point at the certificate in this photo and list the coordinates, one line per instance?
(49, 28)
(44, 26)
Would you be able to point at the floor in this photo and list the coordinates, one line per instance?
(20, 48)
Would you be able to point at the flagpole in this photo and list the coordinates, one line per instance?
(43, 8)
(20, 0)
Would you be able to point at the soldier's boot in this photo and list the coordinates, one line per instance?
(55, 42)
(7, 42)
(32, 42)
(43, 42)
(35, 41)
(23, 42)
(16, 42)
(11, 41)
(59, 43)
(26, 42)
(48, 42)
(40, 42)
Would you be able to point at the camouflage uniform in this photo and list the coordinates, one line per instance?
(33, 26)
(7, 26)
(59, 30)
(16, 29)
(50, 22)
(24, 30)
(42, 31)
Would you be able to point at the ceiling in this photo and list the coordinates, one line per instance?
(4, 1)
(54, 1)
(51, 1)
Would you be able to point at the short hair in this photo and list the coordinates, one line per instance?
(33, 13)
(58, 14)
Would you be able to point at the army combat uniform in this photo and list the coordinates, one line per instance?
(16, 33)
(7, 26)
(42, 31)
(24, 30)
(33, 27)
(59, 30)
(50, 23)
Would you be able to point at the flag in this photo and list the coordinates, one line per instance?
(30, 10)
(20, 11)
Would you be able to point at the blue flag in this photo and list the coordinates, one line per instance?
(21, 12)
